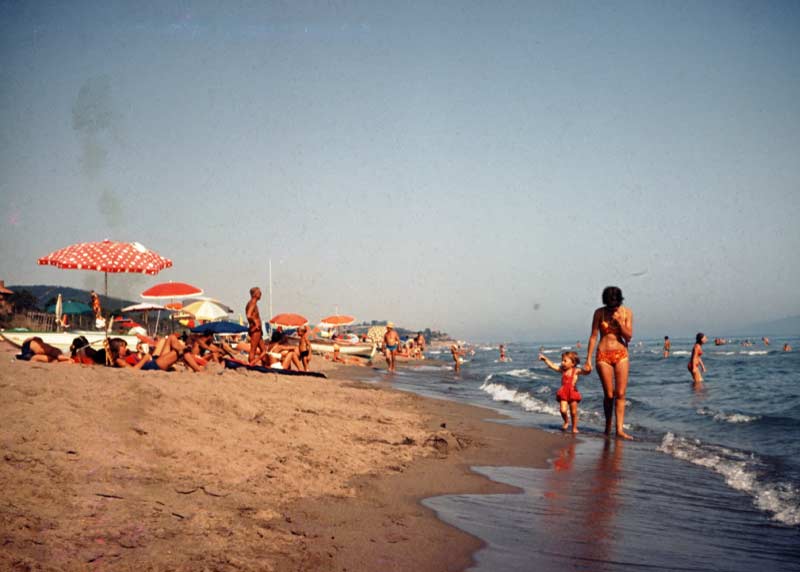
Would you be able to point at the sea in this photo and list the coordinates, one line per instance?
(711, 481)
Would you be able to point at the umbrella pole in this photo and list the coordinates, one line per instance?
(105, 287)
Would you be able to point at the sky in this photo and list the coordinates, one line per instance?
(480, 168)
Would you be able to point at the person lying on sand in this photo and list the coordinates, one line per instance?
(167, 352)
(82, 352)
(203, 345)
(337, 357)
(35, 349)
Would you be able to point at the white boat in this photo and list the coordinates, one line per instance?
(325, 346)
(360, 349)
(62, 340)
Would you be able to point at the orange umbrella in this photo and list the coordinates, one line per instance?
(169, 290)
(337, 320)
(288, 320)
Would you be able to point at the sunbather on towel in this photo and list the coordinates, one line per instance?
(168, 351)
(35, 349)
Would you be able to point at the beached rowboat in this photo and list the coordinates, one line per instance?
(62, 340)
(323, 346)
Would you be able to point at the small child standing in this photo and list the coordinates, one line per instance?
(568, 395)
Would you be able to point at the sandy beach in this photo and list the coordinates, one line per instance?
(107, 469)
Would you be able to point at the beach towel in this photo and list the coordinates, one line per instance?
(235, 364)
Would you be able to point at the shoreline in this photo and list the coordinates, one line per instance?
(238, 470)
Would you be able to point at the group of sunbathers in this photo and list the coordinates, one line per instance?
(194, 351)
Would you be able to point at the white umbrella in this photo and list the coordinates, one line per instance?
(143, 307)
(148, 307)
(208, 310)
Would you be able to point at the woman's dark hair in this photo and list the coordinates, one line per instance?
(116, 344)
(698, 339)
(77, 345)
(612, 297)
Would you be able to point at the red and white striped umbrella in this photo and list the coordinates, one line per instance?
(108, 256)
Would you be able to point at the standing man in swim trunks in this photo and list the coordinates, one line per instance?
(390, 342)
(667, 346)
(257, 345)
(613, 323)
(305, 347)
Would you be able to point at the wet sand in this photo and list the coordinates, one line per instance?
(107, 469)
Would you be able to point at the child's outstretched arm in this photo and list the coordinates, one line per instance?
(550, 364)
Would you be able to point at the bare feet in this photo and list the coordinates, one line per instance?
(575, 430)
(565, 426)
(623, 435)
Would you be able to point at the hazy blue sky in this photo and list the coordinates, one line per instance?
(482, 168)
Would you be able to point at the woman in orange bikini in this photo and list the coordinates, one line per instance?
(695, 363)
(613, 323)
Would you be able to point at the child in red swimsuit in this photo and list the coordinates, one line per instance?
(568, 395)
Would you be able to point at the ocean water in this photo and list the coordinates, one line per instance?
(712, 481)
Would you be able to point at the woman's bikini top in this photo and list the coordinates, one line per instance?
(609, 326)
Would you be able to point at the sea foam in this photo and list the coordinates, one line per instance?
(723, 417)
(525, 400)
(741, 471)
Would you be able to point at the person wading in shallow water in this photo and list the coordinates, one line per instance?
(390, 343)
(613, 324)
(695, 363)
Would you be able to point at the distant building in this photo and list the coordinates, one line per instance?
(5, 305)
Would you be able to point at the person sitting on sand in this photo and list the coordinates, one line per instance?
(280, 351)
(167, 352)
(35, 349)
(695, 363)
(568, 395)
(390, 343)
(203, 345)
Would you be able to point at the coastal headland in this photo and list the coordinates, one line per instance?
(107, 469)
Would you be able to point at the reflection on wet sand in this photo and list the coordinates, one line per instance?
(582, 505)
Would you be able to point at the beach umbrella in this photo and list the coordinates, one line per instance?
(143, 307)
(59, 309)
(220, 328)
(208, 310)
(108, 256)
(376, 333)
(70, 308)
(337, 320)
(288, 320)
(172, 290)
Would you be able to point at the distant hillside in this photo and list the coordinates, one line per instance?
(789, 326)
(45, 294)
